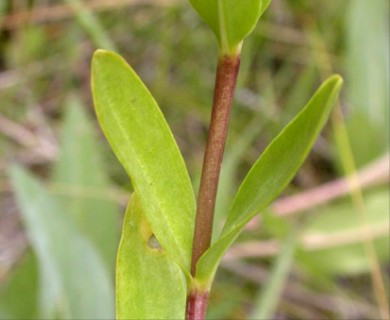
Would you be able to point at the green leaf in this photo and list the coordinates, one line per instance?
(80, 167)
(149, 284)
(272, 172)
(142, 141)
(74, 281)
(230, 20)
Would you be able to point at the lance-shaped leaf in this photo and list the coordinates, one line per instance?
(230, 20)
(149, 284)
(272, 172)
(142, 141)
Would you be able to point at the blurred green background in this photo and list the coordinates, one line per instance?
(317, 248)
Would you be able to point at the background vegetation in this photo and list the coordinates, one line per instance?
(60, 223)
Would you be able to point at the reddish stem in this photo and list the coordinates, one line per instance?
(225, 84)
(196, 305)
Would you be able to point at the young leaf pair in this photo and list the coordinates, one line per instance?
(230, 20)
(154, 281)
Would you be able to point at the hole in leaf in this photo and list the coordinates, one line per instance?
(153, 243)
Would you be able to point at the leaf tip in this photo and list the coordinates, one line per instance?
(99, 53)
(337, 80)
